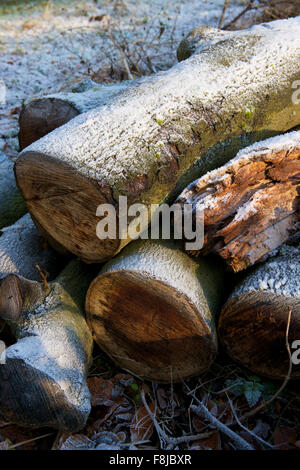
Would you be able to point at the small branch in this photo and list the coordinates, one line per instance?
(171, 441)
(123, 56)
(203, 412)
(246, 429)
(250, 6)
(226, 4)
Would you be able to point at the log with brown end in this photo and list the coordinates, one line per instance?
(43, 379)
(153, 139)
(152, 310)
(42, 115)
(254, 321)
(251, 206)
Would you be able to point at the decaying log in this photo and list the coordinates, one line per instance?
(43, 380)
(42, 115)
(12, 205)
(251, 205)
(253, 322)
(152, 310)
(22, 249)
(145, 142)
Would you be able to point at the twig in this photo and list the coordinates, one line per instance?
(244, 427)
(250, 6)
(202, 411)
(44, 275)
(171, 441)
(19, 444)
(225, 6)
(287, 378)
(123, 56)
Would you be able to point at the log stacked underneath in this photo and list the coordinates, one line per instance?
(153, 310)
(251, 206)
(253, 322)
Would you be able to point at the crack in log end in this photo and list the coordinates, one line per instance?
(251, 205)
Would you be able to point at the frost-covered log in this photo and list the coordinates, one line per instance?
(22, 249)
(12, 205)
(251, 205)
(253, 322)
(159, 135)
(152, 309)
(42, 115)
(43, 380)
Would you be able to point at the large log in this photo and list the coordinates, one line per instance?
(253, 322)
(43, 380)
(251, 205)
(42, 115)
(152, 309)
(156, 137)
(12, 204)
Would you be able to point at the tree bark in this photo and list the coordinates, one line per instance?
(251, 205)
(43, 380)
(161, 134)
(253, 322)
(12, 204)
(152, 310)
(22, 249)
(42, 115)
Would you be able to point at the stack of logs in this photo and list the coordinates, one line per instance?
(226, 115)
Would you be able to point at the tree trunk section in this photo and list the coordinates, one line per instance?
(251, 205)
(42, 115)
(253, 322)
(12, 204)
(147, 142)
(152, 310)
(43, 381)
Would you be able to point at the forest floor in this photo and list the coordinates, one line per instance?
(46, 46)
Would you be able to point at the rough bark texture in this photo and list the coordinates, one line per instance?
(42, 115)
(43, 381)
(251, 205)
(152, 310)
(22, 248)
(12, 205)
(253, 322)
(145, 142)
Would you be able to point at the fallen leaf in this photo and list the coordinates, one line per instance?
(285, 438)
(142, 425)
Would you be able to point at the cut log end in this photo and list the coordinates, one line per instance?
(252, 329)
(42, 116)
(148, 327)
(41, 403)
(64, 204)
(11, 298)
(251, 206)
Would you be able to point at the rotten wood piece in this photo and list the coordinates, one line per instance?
(152, 309)
(159, 135)
(251, 205)
(254, 320)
